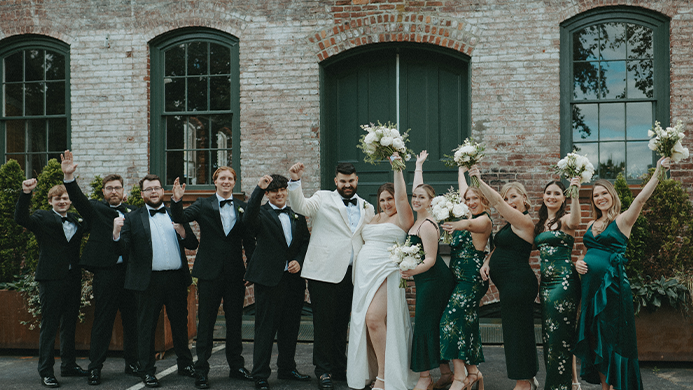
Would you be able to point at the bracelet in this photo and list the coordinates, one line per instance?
(418, 170)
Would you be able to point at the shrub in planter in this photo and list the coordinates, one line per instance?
(13, 239)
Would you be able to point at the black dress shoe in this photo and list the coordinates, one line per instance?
(94, 377)
(73, 371)
(150, 381)
(132, 369)
(241, 374)
(325, 382)
(293, 376)
(50, 381)
(262, 384)
(201, 381)
(188, 370)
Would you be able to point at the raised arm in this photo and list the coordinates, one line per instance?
(250, 217)
(79, 200)
(405, 216)
(418, 171)
(572, 220)
(627, 219)
(461, 180)
(308, 207)
(21, 211)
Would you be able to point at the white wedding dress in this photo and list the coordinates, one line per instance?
(371, 268)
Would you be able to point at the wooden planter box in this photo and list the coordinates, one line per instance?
(664, 335)
(17, 336)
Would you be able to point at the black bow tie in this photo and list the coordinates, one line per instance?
(63, 219)
(225, 202)
(121, 207)
(153, 212)
(280, 211)
(353, 201)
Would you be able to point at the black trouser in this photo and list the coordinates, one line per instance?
(277, 311)
(165, 288)
(210, 295)
(331, 305)
(59, 309)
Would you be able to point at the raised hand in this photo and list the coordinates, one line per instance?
(29, 185)
(296, 171)
(117, 225)
(67, 165)
(421, 158)
(178, 190)
(475, 171)
(395, 156)
(664, 162)
(264, 182)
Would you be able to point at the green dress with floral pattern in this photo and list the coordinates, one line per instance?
(559, 293)
(460, 337)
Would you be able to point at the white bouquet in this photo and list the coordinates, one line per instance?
(574, 165)
(466, 155)
(667, 143)
(406, 256)
(448, 207)
(382, 141)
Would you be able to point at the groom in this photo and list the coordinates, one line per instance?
(337, 217)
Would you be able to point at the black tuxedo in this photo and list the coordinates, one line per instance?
(156, 288)
(279, 294)
(101, 258)
(219, 268)
(60, 281)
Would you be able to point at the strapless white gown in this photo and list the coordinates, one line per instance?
(371, 268)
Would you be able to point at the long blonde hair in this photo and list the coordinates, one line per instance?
(520, 188)
(615, 209)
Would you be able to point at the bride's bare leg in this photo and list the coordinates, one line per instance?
(376, 321)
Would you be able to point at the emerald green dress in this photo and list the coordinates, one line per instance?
(517, 288)
(459, 328)
(559, 292)
(433, 289)
(606, 340)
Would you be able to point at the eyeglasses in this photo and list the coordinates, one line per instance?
(150, 189)
(109, 188)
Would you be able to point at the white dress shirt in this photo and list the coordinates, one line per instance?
(228, 215)
(165, 249)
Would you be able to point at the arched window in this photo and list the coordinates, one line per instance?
(614, 85)
(195, 105)
(35, 100)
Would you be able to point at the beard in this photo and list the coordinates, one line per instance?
(347, 192)
(154, 205)
(114, 200)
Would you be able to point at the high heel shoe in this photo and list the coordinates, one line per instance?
(378, 388)
(443, 383)
(576, 386)
(478, 378)
(430, 385)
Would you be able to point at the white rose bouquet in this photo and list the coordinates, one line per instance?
(406, 256)
(667, 143)
(466, 155)
(448, 207)
(382, 141)
(574, 165)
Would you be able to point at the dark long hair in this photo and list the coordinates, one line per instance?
(544, 212)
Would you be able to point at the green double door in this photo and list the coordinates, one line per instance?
(426, 91)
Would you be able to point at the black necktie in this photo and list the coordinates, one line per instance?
(353, 201)
(63, 219)
(153, 212)
(280, 211)
(225, 202)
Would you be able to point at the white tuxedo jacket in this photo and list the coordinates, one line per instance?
(331, 241)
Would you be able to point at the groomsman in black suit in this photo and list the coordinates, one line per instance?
(157, 270)
(282, 240)
(219, 268)
(108, 268)
(59, 236)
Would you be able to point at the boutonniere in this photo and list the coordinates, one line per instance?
(294, 215)
(366, 205)
(127, 210)
(80, 220)
(240, 210)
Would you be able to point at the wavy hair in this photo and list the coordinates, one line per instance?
(615, 209)
(544, 212)
(520, 188)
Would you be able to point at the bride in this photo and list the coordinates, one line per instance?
(380, 332)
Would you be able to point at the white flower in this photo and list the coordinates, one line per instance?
(679, 153)
(408, 263)
(586, 176)
(407, 157)
(460, 210)
(394, 133)
(653, 143)
(650, 133)
(240, 210)
(370, 138)
(386, 141)
(398, 143)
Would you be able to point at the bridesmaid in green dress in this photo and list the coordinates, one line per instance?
(606, 342)
(460, 338)
(508, 267)
(559, 290)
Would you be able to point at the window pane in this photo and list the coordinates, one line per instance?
(614, 79)
(202, 172)
(36, 164)
(639, 120)
(612, 159)
(585, 122)
(220, 59)
(175, 132)
(13, 99)
(613, 41)
(640, 79)
(197, 58)
(14, 67)
(612, 121)
(220, 158)
(16, 136)
(34, 98)
(55, 98)
(55, 66)
(174, 59)
(222, 131)
(639, 159)
(198, 126)
(197, 94)
(34, 65)
(37, 135)
(639, 41)
(175, 167)
(20, 158)
(586, 44)
(586, 81)
(591, 150)
(220, 93)
(57, 134)
(174, 90)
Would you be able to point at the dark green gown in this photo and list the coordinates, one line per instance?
(433, 289)
(517, 288)
(559, 293)
(606, 340)
(459, 327)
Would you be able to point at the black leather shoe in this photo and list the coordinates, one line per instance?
(262, 384)
(50, 381)
(339, 376)
(132, 369)
(241, 374)
(188, 370)
(201, 381)
(293, 376)
(94, 377)
(325, 382)
(150, 381)
(73, 371)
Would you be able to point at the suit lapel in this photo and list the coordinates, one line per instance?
(144, 217)
(337, 199)
(214, 202)
(277, 222)
(362, 214)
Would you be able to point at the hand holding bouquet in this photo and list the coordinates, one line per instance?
(574, 165)
(406, 256)
(382, 141)
(667, 143)
(448, 207)
(466, 155)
